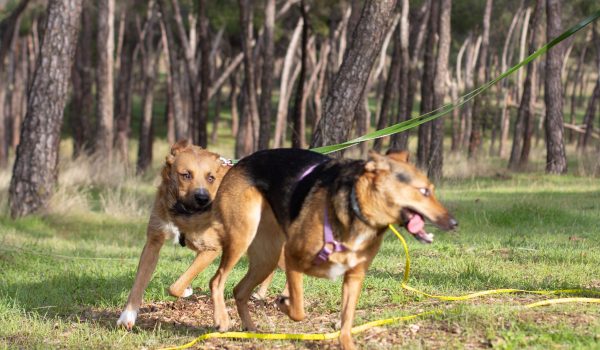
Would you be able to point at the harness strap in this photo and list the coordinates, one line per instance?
(325, 252)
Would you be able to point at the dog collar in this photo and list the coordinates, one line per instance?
(356, 207)
(325, 252)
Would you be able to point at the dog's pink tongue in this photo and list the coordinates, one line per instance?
(415, 224)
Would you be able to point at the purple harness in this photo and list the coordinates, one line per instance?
(325, 252)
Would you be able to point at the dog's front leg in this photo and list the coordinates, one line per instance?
(294, 305)
(350, 292)
(146, 266)
(203, 259)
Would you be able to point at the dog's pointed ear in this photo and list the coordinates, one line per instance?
(397, 155)
(376, 161)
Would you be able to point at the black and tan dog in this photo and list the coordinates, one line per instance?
(190, 179)
(329, 214)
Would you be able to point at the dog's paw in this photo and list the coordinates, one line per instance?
(222, 322)
(127, 319)
(258, 296)
(188, 292)
(283, 304)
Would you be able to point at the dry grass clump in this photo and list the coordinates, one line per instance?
(123, 202)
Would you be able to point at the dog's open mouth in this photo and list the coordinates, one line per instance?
(414, 223)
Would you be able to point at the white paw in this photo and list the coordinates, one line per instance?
(127, 319)
(187, 292)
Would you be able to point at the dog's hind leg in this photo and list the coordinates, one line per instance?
(263, 255)
(261, 293)
(180, 287)
(146, 266)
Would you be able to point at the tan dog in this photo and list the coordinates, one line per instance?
(181, 211)
(329, 214)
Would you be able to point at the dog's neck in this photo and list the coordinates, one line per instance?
(356, 206)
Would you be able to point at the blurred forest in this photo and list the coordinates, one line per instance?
(113, 76)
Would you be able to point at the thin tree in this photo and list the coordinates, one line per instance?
(245, 143)
(588, 119)
(265, 106)
(8, 33)
(35, 169)
(104, 79)
(298, 117)
(351, 79)
(427, 84)
(436, 153)
(477, 114)
(556, 158)
(205, 68)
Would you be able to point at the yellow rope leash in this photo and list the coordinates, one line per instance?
(382, 322)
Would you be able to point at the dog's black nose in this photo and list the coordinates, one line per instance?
(202, 197)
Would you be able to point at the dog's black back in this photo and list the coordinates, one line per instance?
(280, 175)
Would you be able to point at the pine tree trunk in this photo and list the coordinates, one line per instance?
(35, 169)
(8, 34)
(265, 107)
(475, 139)
(299, 114)
(556, 159)
(427, 84)
(588, 119)
(104, 79)
(204, 72)
(125, 86)
(436, 155)
(350, 81)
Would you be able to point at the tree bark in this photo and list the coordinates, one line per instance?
(150, 48)
(125, 85)
(104, 79)
(352, 77)
(35, 168)
(436, 155)
(299, 113)
(477, 114)
(532, 75)
(8, 34)
(588, 119)
(82, 105)
(205, 69)
(265, 108)
(427, 84)
(249, 117)
(556, 159)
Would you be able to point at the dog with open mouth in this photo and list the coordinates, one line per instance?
(328, 214)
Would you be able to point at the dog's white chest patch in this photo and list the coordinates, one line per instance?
(336, 270)
(172, 230)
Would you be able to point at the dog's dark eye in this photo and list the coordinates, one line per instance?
(210, 178)
(186, 176)
(425, 191)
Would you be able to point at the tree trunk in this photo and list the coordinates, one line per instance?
(588, 119)
(150, 52)
(19, 103)
(390, 86)
(35, 168)
(249, 119)
(180, 117)
(352, 77)
(125, 85)
(436, 155)
(299, 114)
(556, 159)
(233, 99)
(104, 79)
(477, 114)
(286, 80)
(8, 33)
(204, 72)
(577, 81)
(532, 75)
(82, 105)
(427, 84)
(265, 108)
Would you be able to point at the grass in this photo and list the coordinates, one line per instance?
(528, 231)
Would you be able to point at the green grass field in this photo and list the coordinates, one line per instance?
(65, 274)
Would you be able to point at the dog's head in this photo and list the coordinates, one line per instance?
(401, 193)
(192, 176)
